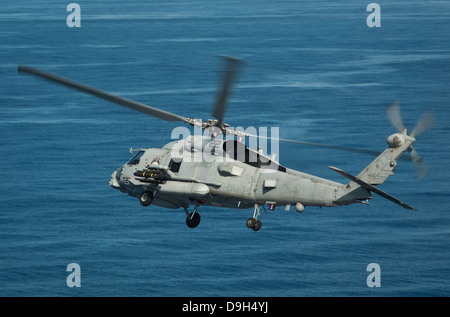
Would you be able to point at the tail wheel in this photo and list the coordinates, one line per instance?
(193, 220)
(146, 198)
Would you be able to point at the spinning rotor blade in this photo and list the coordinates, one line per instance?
(394, 114)
(419, 166)
(330, 146)
(229, 75)
(161, 114)
(425, 123)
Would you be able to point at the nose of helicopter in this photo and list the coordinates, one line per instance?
(113, 182)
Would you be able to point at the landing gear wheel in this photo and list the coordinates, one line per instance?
(257, 225)
(251, 222)
(193, 220)
(146, 198)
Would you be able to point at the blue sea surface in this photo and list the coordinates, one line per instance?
(313, 69)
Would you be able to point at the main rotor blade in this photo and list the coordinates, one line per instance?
(229, 75)
(330, 146)
(394, 114)
(425, 123)
(161, 114)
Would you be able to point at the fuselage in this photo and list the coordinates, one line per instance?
(219, 173)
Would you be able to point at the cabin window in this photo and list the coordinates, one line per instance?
(240, 152)
(175, 166)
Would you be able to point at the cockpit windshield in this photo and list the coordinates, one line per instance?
(135, 159)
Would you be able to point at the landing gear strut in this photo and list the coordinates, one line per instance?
(253, 222)
(193, 218)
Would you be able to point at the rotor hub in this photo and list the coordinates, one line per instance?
(396, 140)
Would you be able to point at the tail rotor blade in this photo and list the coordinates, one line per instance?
(394, 114)
(425, 123)
(229, 75)
(421, 169)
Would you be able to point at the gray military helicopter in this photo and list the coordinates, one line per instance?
(215, 170)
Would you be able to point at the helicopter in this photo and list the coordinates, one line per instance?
(214, 169)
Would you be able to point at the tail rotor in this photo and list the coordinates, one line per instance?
(425, 123)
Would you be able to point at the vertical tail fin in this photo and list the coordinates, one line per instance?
(384, 165)
(360, 187)
(375, 173)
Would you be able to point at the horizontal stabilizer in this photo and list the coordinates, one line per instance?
(371, 188)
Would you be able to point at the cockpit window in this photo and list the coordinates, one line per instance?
(135, 159)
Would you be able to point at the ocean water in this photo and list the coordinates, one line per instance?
(313, 69)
